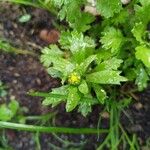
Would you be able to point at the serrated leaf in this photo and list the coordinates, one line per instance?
(106, 77)
(73, 98)
(77, 19)
(83, 23)
(63, 90)
(141, 11)
(112, 39)
(142, 78)
(111, 64)
(103, 55)
(143, 54)
(108, 8)
(56, 96)
(52, 101)
(54, 73)
(79, 45)
(75, 41)
(83, 87)
(138, 31)
(121, 17)
(84, 107)
(54, 56)
(85, 64)
(100, 93)
(58, 3)
(49, 52)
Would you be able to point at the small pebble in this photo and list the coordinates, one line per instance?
(16, 74)
(38, 81)
(105, 115)
(138, 106)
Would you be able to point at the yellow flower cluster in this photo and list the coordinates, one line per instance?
(74, 78)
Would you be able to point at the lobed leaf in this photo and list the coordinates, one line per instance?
(143, 54)
(100, 93)
(73, 98)
(112, 39)
(106, 77)
(108, 8)
(83, 87)
(110, 64)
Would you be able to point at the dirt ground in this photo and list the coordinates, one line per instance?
(22, 73)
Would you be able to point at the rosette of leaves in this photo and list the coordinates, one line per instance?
(82, 70)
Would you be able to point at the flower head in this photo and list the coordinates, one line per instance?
(74, 78)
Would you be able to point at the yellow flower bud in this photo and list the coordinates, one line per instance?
(74, 78)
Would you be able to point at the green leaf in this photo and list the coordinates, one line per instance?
(121, 17)
(13, 106)
(77, 19)
(143, 54)
(63, 90)
(52, 101)
(8, 112)
(138, 32)
(111, 64)
(56, 96)
(54, 56)
(5, 113)
(112, 39)
(142, 12)
(130, 74)
(83, 23)
(108, 8)
(100, 93)
(85, 64)
(106, 77)
(84, 107)
(75, 41)
(103, 55)
(58, 3)
(73, 98)
(54, 73)
(142, 78)
(79, 45)
(83, 87)
(48, 52)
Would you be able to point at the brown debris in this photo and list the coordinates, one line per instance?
(51, 37)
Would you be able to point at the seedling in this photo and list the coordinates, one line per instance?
(95, 56)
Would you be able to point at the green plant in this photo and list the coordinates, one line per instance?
(94, 56)
(88, 68)
(81, 70)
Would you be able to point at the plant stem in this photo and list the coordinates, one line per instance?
(32, 128)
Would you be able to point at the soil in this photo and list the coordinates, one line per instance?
(22, 73)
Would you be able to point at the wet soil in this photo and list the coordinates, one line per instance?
(22, 73)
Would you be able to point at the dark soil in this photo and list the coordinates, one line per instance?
(22, 73)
